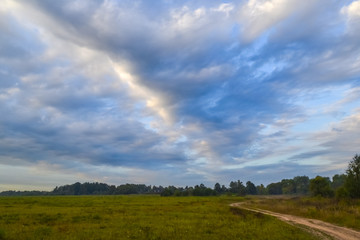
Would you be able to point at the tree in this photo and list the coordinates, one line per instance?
(302, 184)
(237, 188)
(241, 188)
(250, 188)
(338, 180)
(76, 187)
(202, 190)
(112, 189)
(217, 188)
(261, 190)
(352, 183)
(223, 188)
(274, 188)
(167, 192)
(320, 186)
(233, 187)
(288, 186)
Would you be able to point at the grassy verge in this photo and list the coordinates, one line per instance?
(136, 217)
(341, 212)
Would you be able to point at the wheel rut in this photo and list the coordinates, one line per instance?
(322, 229)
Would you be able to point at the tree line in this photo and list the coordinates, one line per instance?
(341, 186)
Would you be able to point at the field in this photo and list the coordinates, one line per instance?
(136, 217)
(345, 212)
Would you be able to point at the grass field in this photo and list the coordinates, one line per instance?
(344, 212)
(136, 217)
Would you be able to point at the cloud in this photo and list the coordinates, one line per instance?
(176, 89)
(259, 16)
(344, 134)
(352, 10)
(308, 155)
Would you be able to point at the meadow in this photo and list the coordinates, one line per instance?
(136, 217)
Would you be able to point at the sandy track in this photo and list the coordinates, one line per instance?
(323, 229)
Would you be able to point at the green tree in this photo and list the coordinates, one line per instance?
(338, 180)
(274, 188)
(237, 188)
(352, 183)
(202, 190)
(320, 186)
(167, 192)
(261, 189)
(302, 184)
(288, 186)
(250, 188)
(217, 188)
(223, 188)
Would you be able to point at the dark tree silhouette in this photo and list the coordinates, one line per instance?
(352, 183)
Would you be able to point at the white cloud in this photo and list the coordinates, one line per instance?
(352, 14)
(352, 10)
(227, 8)
(258, 16)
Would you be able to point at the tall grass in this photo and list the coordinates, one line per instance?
(345, 212)
(136, 217)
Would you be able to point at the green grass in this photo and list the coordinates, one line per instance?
(136, 217)
(341, 212)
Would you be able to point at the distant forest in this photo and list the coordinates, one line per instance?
(297, 185)
(340, 186)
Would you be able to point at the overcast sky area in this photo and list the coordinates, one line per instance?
(177, 92)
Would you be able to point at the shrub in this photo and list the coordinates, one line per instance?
(341, 193)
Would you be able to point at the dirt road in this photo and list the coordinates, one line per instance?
(323, 229)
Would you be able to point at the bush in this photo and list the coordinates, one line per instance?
(342, 193)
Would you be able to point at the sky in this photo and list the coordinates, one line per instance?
(172, 92)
